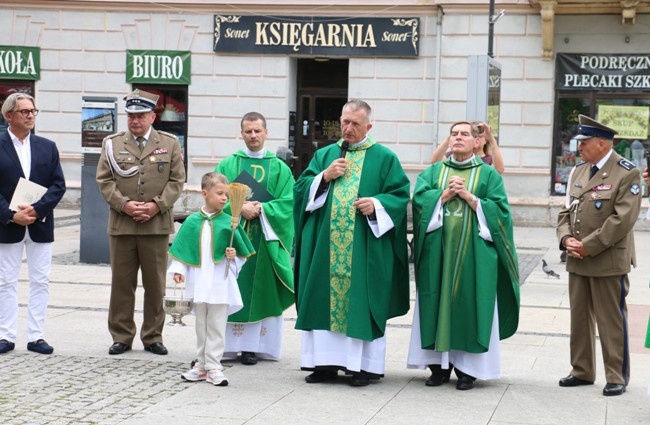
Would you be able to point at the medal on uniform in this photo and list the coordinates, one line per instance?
(161, 167)
(594, 195)
(152, 158)
(598, 204)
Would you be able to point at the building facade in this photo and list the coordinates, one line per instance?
(297, 62)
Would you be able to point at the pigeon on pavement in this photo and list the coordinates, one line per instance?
(548, 270)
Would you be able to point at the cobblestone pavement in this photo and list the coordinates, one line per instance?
(81, 390)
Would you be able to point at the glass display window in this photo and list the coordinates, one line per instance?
(627, 113)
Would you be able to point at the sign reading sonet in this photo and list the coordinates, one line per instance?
(317, 35)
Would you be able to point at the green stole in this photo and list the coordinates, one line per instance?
(186, 247)
(342, 219)
(457, 236)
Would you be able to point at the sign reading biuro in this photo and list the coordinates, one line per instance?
(158, 66)
(396, 37)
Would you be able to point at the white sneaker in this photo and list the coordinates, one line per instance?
(216, 377)
(195, 374)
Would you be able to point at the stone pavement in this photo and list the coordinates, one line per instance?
(81, 384)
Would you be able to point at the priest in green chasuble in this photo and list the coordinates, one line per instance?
(351, 262)
(266, 280)
(466, 268)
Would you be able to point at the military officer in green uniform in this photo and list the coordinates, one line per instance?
(595, 227)
(141, 175)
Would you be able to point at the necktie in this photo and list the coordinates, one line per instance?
(141, 142)
(594, 170)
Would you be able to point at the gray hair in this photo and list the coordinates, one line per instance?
(356, 104)
(11, 102)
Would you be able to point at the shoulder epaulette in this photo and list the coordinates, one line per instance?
(167, 134)
(119, 133)
(626, 164)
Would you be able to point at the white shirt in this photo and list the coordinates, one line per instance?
(24, 152)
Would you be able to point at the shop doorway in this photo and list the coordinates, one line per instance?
(322, 92)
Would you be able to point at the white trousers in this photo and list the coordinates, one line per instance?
(211, 322)
(39, 260)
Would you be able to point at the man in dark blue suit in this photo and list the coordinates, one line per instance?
(23, 154)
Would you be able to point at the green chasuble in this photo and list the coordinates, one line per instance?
(186, 247)
(458, 274)
(266, 280)
(347, 280)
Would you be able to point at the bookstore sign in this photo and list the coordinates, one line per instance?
(20, 63)
(596, 72)
(158, 66)
(320, 36)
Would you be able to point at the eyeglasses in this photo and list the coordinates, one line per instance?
(25, 112)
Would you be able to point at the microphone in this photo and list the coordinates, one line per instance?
(344, 148)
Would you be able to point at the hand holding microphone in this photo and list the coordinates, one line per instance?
(337, 167)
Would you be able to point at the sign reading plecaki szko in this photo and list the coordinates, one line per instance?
(158, 66)
(20, 62)
(311, 35)
(585, 71)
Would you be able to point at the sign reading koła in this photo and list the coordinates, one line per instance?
(311, 35)
(20, 62)
(158, 66)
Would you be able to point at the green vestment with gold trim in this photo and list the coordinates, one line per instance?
(266, 280)
(347, 280)
(458, 274)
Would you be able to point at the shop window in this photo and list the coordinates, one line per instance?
(8, 87)
(171, 111)
(629, 114)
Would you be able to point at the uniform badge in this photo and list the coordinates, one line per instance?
(598, 204)
(152, 159)
(594, 195)
(634, 189)
(161, 167)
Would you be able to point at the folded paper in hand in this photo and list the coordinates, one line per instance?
(27, 192)
(259, 192)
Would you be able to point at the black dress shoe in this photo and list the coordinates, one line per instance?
(248, 358)
(156, 348)
(572, 381)
(6, 346)
(118, 348)
(613, 389)
(465, 383)
(40, 346)
(321, 376)
(359, 379)
(438, 376)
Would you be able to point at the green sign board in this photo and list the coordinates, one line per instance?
(20, 62)
(158, 66)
